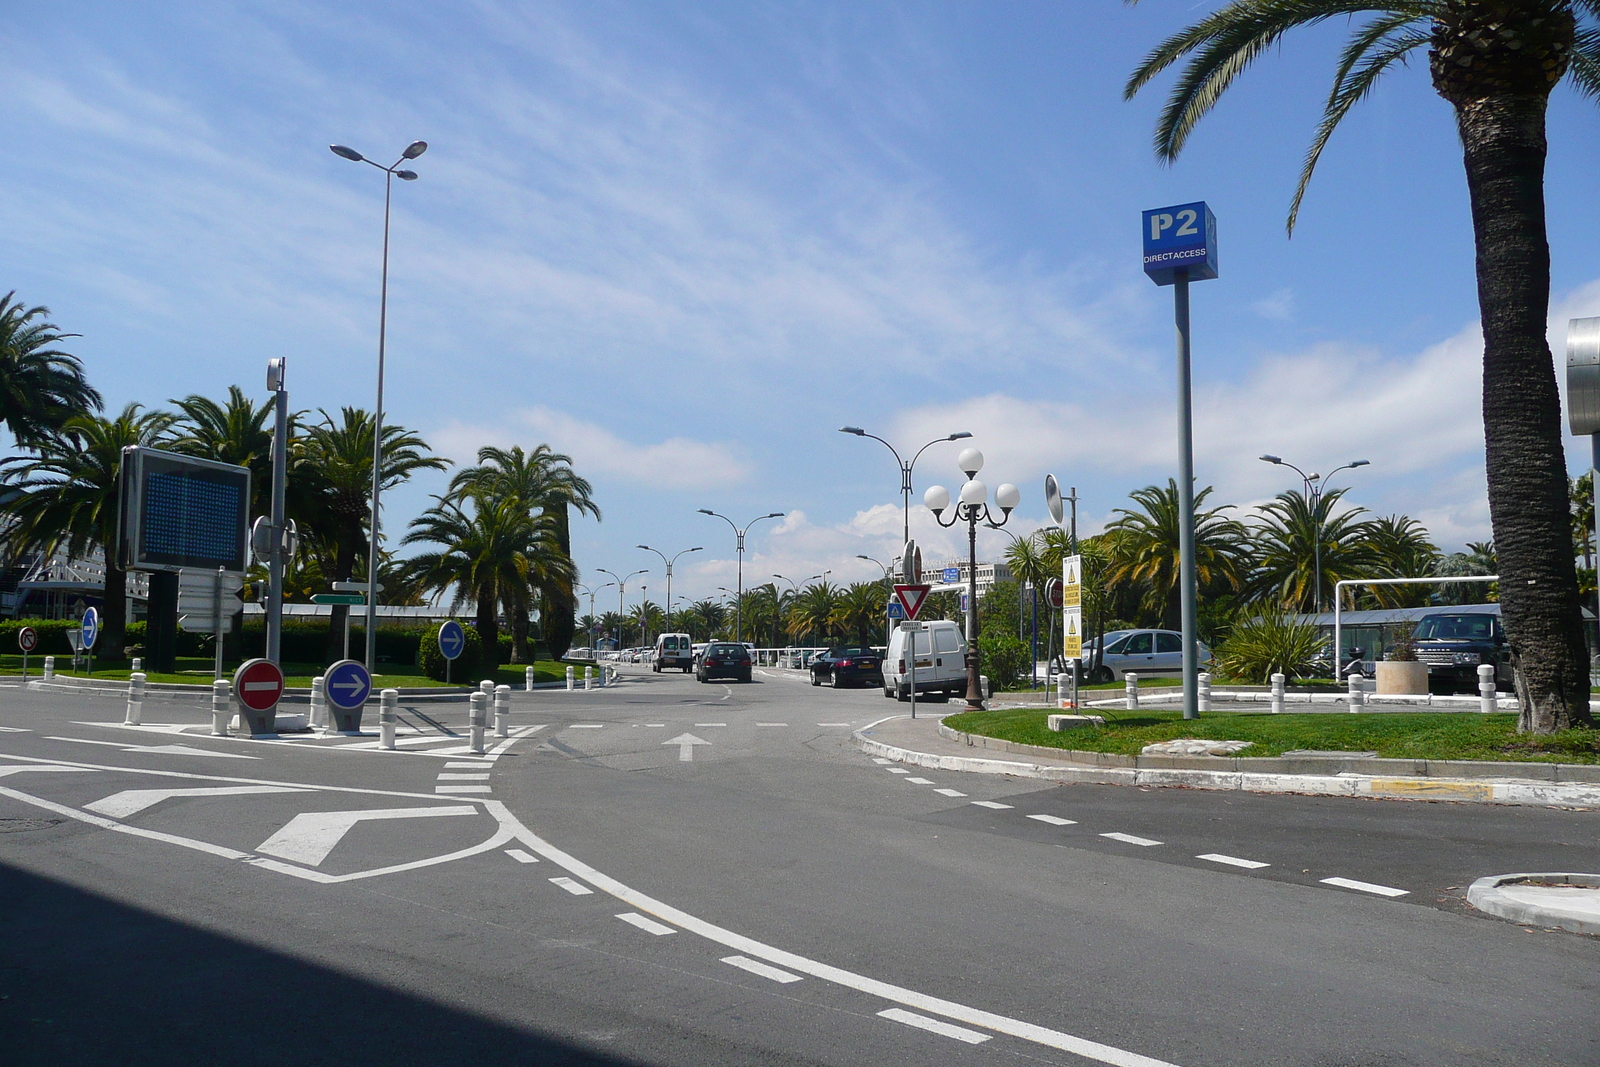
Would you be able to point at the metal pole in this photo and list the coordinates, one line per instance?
(974, 687)
(1316, 545)
(216, 618)
(1186, 568)
(1594, 479)
(377, 439)
(738, 596)
(280, 474)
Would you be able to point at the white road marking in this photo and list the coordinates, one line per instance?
(130, 801)
(943, 1029)
(920, 781)
(995, 804)
(522, 857)
(686, 743)
(1053, 821)
(577, 889)
(950, 792)
(1365, 887)
(448, 777)
(169, 750)
(710, 724)
(649, 926)
(655, 726)
(897, 770)
(463, 789)
(310, 836)
(833, 724)
(875, 759)
(1131, 840)
(587, 726)
(744, 963)
(461, 763)
(14, 729)
(772, 724)
(1233, 861)
(6, 771)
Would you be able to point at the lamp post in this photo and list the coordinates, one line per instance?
(738, 534)
(1315, 485)
(390, 173)
(669, 563)
(622, 591)
(973, 506)
(888, 591)
(905, 468)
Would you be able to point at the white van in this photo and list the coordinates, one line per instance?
(673, 650)
(941, 666)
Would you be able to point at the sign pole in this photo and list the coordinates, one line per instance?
(280, 473)
(216, 616)
(1186, 567)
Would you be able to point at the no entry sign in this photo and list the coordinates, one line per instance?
(27, 639)
(258, 684)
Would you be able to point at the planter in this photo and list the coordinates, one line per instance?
(1402, 677)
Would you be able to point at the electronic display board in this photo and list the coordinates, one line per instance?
(178, 511)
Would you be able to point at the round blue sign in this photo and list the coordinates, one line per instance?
(91, 627)
(452, 639)
(347, 684)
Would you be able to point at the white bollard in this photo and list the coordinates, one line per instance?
(1486, 698)
(1277, 694)
(1358, 692)
(388, 717)
(588, 678)
(1132, 690)
(985, 687)
(138, 664)
(477, 715)
(502, 711)
(1205, 691)
(528, 679)
(221, 707)
(1062, 700)
(572, 673)
(486, 686)
(135, 699)
(319, 702)
(49, 668)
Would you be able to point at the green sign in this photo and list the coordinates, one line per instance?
(338, 598)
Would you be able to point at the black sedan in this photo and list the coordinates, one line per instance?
(846, 666)
(724, 659)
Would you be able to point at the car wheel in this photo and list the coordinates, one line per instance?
(1099, 676)
(814, 679)
(888, 694)
(835, 682)
(903, 695)
(744, 678)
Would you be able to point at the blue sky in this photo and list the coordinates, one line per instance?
(685, 242)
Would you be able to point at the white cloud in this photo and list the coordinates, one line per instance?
(1279, 307)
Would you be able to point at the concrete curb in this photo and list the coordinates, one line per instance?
(1532, 793)
(1577, 910)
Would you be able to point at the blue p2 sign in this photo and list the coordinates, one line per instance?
(1181, 237)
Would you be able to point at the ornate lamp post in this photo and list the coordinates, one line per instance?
(973, 507)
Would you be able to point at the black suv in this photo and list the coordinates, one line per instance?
(842, 666)
(1454, 644)
(724, 659)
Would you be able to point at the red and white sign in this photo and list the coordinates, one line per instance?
(27, 638)
(912, 597)
(259, 684)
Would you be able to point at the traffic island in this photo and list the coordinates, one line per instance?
(1554, 901)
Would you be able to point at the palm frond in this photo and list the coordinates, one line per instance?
(1583, 65)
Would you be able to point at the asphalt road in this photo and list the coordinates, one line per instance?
(674, 873)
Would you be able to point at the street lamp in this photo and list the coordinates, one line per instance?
(738, 603)
(1315, 485)
(669, 563)
(622, 591)
(972, 506)
(888, 591)
(413, 150)
(905, 468)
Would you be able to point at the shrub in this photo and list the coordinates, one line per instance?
(432, 661)
(1005, 658)
(1270, 644)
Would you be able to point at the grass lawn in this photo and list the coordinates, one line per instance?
(197, 671)
(1429, 735)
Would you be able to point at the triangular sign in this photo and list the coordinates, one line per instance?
(1072, 624)
(912, 597)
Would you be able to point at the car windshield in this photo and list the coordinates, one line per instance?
(839, 653)
(1455, 627)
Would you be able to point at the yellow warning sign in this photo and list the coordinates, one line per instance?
(1072, 581)
(1072, 633)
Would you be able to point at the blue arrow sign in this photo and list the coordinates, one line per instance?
(452, 639)
(91, 627)
(347, 685)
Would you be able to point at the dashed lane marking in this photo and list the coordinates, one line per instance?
(448, 777)
(995, 804)
(772, 724)
(879, 760)
(522, 857)
(649, 926)
(897, 770)
(711, 724)
(920, 781)
(1233, 861)
(461, 763)
(1365, 887)
(587, 726)
(577, 889)
(462, 789)
(1054, 821)
(950, 792)
(744, 963)
(1130, 839)
(131, 801)
(833, 724)
(934, 1026)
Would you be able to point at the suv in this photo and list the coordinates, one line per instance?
(841, 666)
(1453, 644)
(724, 659)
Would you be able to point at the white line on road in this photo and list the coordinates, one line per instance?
(522, 857)
(461, 763)
(1054, 821)
(686, 743)
(463, 789)
(1365, 887)
(577, 889)
(164, 750)
(897, 770)
(995, 804)
(1233, 861)
(833, 724)
(448, 777)
(920, 781)
(587, 726)
(649, 926)
(655, 726)
(744, 963)
(711, 724)
(129, 801)
(1131, 840)
(879, 760)
(934, 1026)
(310, 836)
(950, 792)
(772, 724)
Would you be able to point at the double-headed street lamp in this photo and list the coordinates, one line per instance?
(794, 586)
(905, 468)
(888, 591)
(669, 563)
(973, 506)
(1315, 485)
(390, 173)
(622, 591)
(738, 603)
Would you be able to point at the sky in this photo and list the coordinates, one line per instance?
(685, 242)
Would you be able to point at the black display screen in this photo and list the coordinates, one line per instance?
(185, 512)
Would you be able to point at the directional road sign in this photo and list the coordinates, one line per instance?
(338, 598)
(91, 627)
(452, 639)
(911, 598)
(951, 575)
(348, 684)
(258, 684)
(27, 639)
(353, 587)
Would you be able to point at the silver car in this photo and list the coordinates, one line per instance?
(1147, 653)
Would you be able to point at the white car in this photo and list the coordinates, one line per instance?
(941, 662)
(1147, 653)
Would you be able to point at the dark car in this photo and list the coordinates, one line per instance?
(847, 666)
(1454, 644)
(723, 659)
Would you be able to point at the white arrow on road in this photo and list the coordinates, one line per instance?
(686, 743)
(310, 836)
(129, 801)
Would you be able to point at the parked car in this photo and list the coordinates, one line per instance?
(1454, 644)
(724, 659)
(847, 666)
(1147, 653)
(941, 662)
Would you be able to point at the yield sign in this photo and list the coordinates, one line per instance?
(912, 597)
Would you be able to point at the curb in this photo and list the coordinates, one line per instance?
(1538, 794)
(1493, 895)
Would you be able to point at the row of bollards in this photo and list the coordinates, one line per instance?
(1131, 690)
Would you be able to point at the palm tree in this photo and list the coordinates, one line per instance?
(1583, 517)
(1286, 547)
(1401, 549)
(1495, 62)
(813, 611)
(861, 611)
(709, 617)
(41, 387)
(1144, 544)
(238, 432)
(68, 498)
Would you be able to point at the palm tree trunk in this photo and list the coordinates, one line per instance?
(488, 629)
(1503, 141)
(344, 564)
